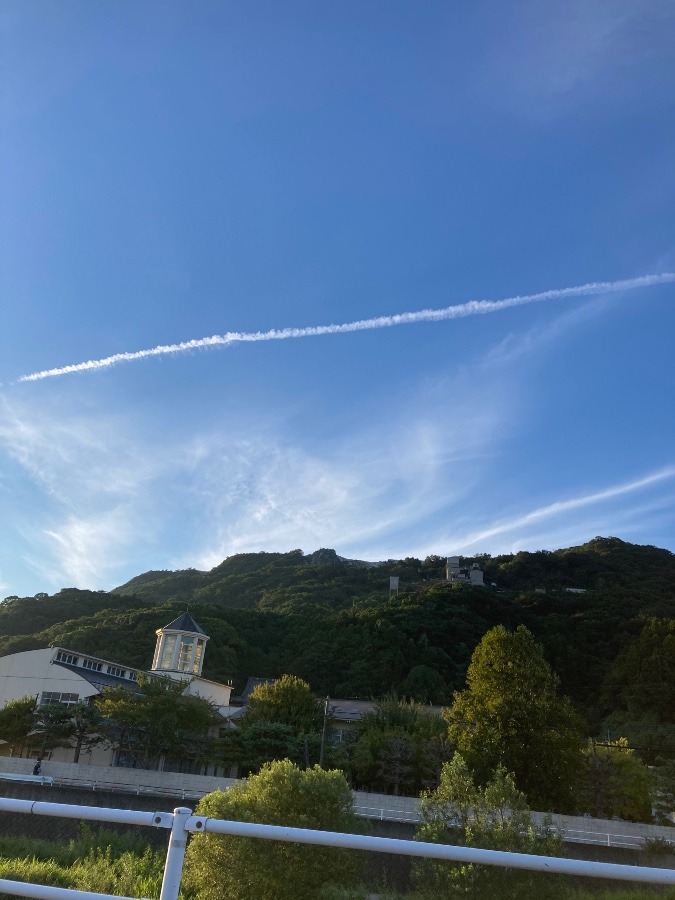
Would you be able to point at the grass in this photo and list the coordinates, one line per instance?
(102, 860)
(98, 860)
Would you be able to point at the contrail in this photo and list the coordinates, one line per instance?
(472, 308)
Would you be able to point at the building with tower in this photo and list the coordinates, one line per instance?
(61, 675)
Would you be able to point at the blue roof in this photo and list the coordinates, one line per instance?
(184, 622)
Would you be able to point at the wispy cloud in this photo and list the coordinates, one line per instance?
(106, 501)
(560, 508)
(87, 491)
(87, 548)
(463, 310)
(552, 57)
(360, 492)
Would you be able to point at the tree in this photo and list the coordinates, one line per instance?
(615, 783)
(288, 700)
(86, 720)
(17, 721)
(642, 677)
(257, 743)
(52, 727)
(510, 715)
(49, 725)
(425, 685)
(234, 868)
(664, 790)
(395, 761)
(158, 721)
(639, 688)
(401, 747)
(493, 817)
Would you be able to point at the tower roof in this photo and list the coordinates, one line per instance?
(184, 622)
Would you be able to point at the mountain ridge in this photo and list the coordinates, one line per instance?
(334, 623)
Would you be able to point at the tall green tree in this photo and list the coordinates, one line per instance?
(615, 783)
(510, 715)
(639, 689)
(400, 748)
(642, 678)
(493, 817)
(17, 720)
(52, 727)
(288, 700)
(234, 868)
(86, 721)
(257, 743)
(158, 720)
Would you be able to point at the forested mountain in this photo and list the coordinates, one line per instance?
(332, 622)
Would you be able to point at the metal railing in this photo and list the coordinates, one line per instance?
(569, 835)
(181, 823)
(125, 787)
(604, 839)
(373, 813)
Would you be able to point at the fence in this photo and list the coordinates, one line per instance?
(181, 823)
(383, 807)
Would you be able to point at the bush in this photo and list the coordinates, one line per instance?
(494, 817)
(233, 868)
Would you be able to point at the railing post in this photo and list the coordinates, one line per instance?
(173, 867)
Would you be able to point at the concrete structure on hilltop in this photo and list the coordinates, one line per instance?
(455, 574)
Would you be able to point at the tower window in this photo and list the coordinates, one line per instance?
(168, 651)
(185, 654)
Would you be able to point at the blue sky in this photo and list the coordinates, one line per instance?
(175, 170)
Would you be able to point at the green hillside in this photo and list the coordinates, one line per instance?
(332, 622)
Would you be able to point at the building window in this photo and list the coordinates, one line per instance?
(115, 670)
(90, 664)
(168, 651)
(184, 654)
(68, 658)
(198, 657)
(132, 676)
(55, 697)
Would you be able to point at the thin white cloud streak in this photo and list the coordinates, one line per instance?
(463, 310)
(262, 494)
(564, 506)
(87, 548)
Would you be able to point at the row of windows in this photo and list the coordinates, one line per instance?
(56, 697)
(90, 664)
(179, 655)
(71, 660)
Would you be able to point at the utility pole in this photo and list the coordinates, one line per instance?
(326, 705)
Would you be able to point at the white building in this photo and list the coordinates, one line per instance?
(59, 675)
(453, 572)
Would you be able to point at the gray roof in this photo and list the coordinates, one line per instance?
(251, 685)
(101, 680)
(184, 622)
(354, 710)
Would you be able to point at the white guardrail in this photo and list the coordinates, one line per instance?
(181, 823)
(373, 813)
(569, 835)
